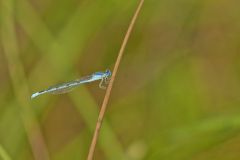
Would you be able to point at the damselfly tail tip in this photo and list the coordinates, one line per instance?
(34, 95)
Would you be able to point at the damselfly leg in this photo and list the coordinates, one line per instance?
(104, 80)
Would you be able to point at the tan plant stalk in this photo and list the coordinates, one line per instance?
(109, 88)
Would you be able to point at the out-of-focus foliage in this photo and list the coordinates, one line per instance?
(176, 95)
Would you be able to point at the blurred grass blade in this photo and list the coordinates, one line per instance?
(4, 154)
(195, 138)
(19, 80)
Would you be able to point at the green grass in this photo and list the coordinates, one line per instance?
(176, 95)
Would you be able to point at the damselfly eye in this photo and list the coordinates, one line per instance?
(108, 72)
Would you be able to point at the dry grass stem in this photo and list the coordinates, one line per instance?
(109, 88)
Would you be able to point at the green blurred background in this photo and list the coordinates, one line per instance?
(176, 95)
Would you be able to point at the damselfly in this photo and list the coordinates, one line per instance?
(68, 86)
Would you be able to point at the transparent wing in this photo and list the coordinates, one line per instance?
(68, 86)
(63, 88)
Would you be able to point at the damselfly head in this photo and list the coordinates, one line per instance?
(108, 73)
